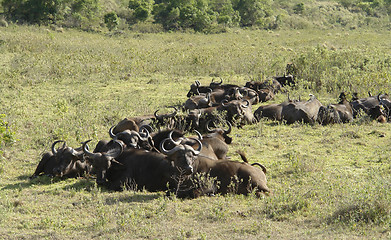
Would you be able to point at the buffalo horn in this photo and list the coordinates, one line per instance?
(248, 103)
(87, 151)
(54, 151)
(198, 134)
(147, 128)
(169, 152)
(172, 140)
(229, 128)
(155, 114)
(207, 126)
(224, 103)
(144, 132)
(112, 135)
(221, 81)
(197, 152)
(115, 152)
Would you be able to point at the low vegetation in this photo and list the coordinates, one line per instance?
(327, 181)
(207, 16)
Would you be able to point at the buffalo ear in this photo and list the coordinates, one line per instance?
(117, 165)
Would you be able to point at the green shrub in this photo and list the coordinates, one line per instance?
(299, 8)
(111, 20)
(7, 136)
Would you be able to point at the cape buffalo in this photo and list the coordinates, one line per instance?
(239, 111)
(140, 169)
(227, 177)
(336, 113)
(300, 111)
(62, 162)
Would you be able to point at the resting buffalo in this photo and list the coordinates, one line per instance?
(62, 162)
(227, 177)
(198, 119)
(239, 111)
(250, 94)
(377, 113)
(103, 157)
(270, 111)
(139, 169)
(197, 89)
(301, 111)
(217, 141)
(336, 113)
(271, 84)
(367, 103)
(133, 138)
(136, 122)
(198, 101)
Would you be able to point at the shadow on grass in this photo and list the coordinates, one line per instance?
(84, 184)
(138, 197)
(26, 182)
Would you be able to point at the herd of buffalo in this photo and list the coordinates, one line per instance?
(185, 152)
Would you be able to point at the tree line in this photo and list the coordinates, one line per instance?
(197, 15)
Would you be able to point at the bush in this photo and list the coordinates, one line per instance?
(73, 13)
(111, 20)
(6, 136)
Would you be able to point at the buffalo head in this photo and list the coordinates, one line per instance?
(101, 161)
(182, 155)
(239, 110)
(69, 161)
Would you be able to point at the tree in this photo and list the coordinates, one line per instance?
(252, 11)
(142, 9)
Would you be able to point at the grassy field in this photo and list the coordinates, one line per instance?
(330, 182)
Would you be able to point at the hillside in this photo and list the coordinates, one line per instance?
(207, 16)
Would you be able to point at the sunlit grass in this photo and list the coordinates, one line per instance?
(327, 182)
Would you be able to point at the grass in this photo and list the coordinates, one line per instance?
(327, 181)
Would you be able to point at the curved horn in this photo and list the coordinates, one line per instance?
(169, 152)
(54, 151)
(198, 134)
(86, 149)
(229, 128)
(112, 135)
(260, 165)
(248, 103)
(114, 153)
(198, 150)
(197, 83)
(155, 114)
(207, 126)
(224, 103)
(221, 81)
(172, 140)
(146, 129)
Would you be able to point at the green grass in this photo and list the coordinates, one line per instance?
(328, 182)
